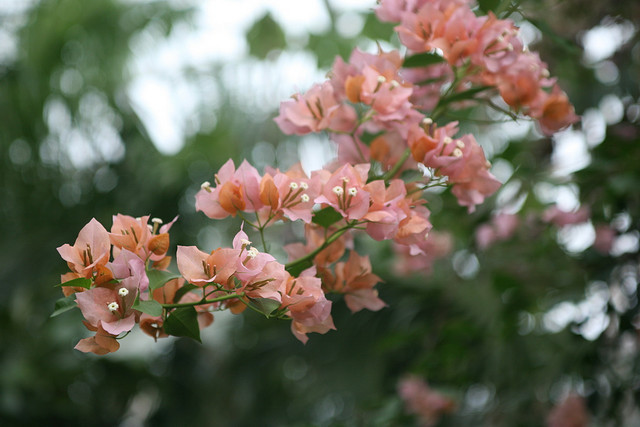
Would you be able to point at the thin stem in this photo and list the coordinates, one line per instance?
(394, 170)
(204, 301)
(355, 141)
(332, 238)
(247, 221)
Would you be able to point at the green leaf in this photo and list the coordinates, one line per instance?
(265, 306)
(264, 36)
(422, 60)
(488, 5)
(298, 268)
(183, 290)
(183, 322)
(464, 95)
(151, 307)
(64, 304)
(80, 282)
(157, 278)
(326, 217)
(367, 137)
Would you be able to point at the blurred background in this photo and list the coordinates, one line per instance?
(128, 106)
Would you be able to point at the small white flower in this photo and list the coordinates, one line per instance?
(382, 79)
(353, 191)
(304, 185)
(252, 253)
(338, 190)
(459, 143)
(304, 198)
(293, 186)
(113, 307)
(206, 186)
(394, 84)
(156, 221)
(427, 121)
(123, 292)
(457, 152)
(447, 140)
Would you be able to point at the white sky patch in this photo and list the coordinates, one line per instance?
(612, 109)
(577, 237)
(604, 40)
(315, 152)
(590, 313)
(154, 103)
(570, 153)
(167, 102)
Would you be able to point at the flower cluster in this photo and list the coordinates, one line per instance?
(386, 112)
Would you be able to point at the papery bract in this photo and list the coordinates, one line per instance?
(90, 249)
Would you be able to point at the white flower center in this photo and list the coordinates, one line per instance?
(353, 191)
(113, 307)
(304, 198)
(304, 185)
(337, 190)
(457, 152)
(293, 186)
(252, 253)
(123, 292)
(447, 140)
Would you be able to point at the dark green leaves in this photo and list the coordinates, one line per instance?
(326, 217)
(183, 290)
(299, 267)
(488, 5)
(183, 322)
(423, 59)
(151, 307)
(80, 282)
(157, 278)
(64, 304)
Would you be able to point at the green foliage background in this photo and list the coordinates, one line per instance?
(478, 338)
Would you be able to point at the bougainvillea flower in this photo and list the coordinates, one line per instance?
(127, 266)
(110, 308)
(421, 400)
(200, 268)
(91, 249)
(315, 111)
(355, 280)
(101, 343)
(306, 304)
(344, 191)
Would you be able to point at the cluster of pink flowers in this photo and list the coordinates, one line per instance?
(384, 111)
(107, 290)
(488, 48)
